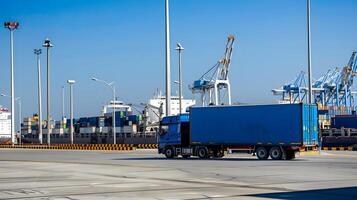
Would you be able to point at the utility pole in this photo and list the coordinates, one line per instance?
(71, 82)
(168, 68)
(179, 48)
(309, 53)
(12, 26)
(47, 44)
(40, 136)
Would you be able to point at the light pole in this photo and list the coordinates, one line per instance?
(179, 48)
(168, 67)
(71, 82)
(309, 52)
(112, 87)
(39, 92)
(18, 99)
(63, 102)
(47, 44)
(12, 26)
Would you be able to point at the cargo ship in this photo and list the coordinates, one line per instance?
(131, 128)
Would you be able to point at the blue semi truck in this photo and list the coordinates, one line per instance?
(275, 131)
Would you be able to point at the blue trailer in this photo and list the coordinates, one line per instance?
(276, 130)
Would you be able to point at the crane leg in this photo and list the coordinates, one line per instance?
(216, 94)
(229, 94)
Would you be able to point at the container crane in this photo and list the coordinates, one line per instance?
(334, 88)
(293, 92)
(215, 80)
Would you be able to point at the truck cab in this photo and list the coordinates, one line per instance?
(174, 131)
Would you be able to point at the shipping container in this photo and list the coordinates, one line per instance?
(92, 121)
(344, 121)
(275, 124)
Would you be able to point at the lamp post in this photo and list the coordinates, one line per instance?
(18, 99)
(47, 44)
(179, 48)
(71, 82)
(12, 26)
(63, 102)
(112, 87)
(39, 92)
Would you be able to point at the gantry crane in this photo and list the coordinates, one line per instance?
(340, 90)
(215, 80)
(293, 92)
(334, 88)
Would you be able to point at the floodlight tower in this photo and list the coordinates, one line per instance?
(168, 67)
(37, 53)
(12, 26)
(47, 44)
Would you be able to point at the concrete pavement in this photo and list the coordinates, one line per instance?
(143, 174)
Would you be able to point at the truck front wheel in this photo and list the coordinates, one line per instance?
(202, 152)
(262, 153)
(169, 152)
(276, 153)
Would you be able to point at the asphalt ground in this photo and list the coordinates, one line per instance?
(143, 174)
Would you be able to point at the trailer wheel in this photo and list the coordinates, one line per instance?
(202, 152)
(262, 153)
(276, 153)
(169, 152)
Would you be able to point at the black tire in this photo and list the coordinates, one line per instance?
(169, 152)
(186, 156)
(202, 152)
(262, 153)
(276, 153)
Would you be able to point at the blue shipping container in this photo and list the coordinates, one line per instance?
(345, 121)
(282, 124)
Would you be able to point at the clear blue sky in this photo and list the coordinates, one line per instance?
(123, 41)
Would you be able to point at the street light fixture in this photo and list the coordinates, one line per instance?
(47, 44)
(179, 48)
(112, 87)
(18, 99)
(39, 92)
(71, 82)
(12, 26)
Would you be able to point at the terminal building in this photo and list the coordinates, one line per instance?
(5, 123)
